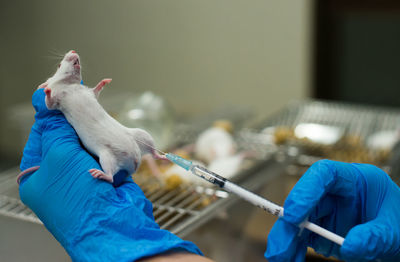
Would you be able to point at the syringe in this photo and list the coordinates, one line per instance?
(247, 195)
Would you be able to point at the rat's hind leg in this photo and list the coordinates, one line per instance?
(109, 165)
(97, 173)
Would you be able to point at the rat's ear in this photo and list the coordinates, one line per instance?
(100, 86)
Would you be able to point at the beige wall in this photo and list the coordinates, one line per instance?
(197, 54)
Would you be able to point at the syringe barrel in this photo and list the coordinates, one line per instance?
(254, 199)
(323, 232)
(240, 191)
(208, 175)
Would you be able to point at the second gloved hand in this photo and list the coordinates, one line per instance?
(357, 201)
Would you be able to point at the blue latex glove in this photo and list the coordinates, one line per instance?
(92, 219)
(358, 201)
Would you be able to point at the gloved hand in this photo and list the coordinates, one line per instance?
(92, 219)
(357, 201)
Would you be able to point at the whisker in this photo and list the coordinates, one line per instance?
(56, 53)
(150, 146)
(50, 57)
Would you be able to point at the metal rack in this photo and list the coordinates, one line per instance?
(359, 121)
(173, 207)
(10, 205)
(356, 119)
(180, 210)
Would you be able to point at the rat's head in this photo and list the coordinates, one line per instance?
(69, 69)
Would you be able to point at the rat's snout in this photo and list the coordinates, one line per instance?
(76, 62)
(73, 57)
(69, 70)
(72, 52)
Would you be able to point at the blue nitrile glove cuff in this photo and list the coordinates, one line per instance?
(92, 220)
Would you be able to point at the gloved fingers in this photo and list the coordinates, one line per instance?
(32, 155)
(372, 240)
(380, 236)
(71, 162)
(324, 216)
(124, 184)
(55, 129)
(38, 102)
(126, 181)
(323, 177)
(324, 208)
(130, 192)
(128, 189)
(375, 179)
(60, 134)
(285, 243)
(300, 253)
(328, 214)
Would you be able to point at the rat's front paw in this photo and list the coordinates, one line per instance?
(98, 174)
(44, 85)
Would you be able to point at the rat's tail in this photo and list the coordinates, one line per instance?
(25, 172)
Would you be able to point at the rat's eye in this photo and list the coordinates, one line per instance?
(59, 65)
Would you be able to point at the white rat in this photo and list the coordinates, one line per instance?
(215, 142)
(118, 147)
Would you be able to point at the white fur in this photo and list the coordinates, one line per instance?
(227, 166)
(214, 143)
(114, 144)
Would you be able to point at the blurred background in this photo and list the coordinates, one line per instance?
(197, 57)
